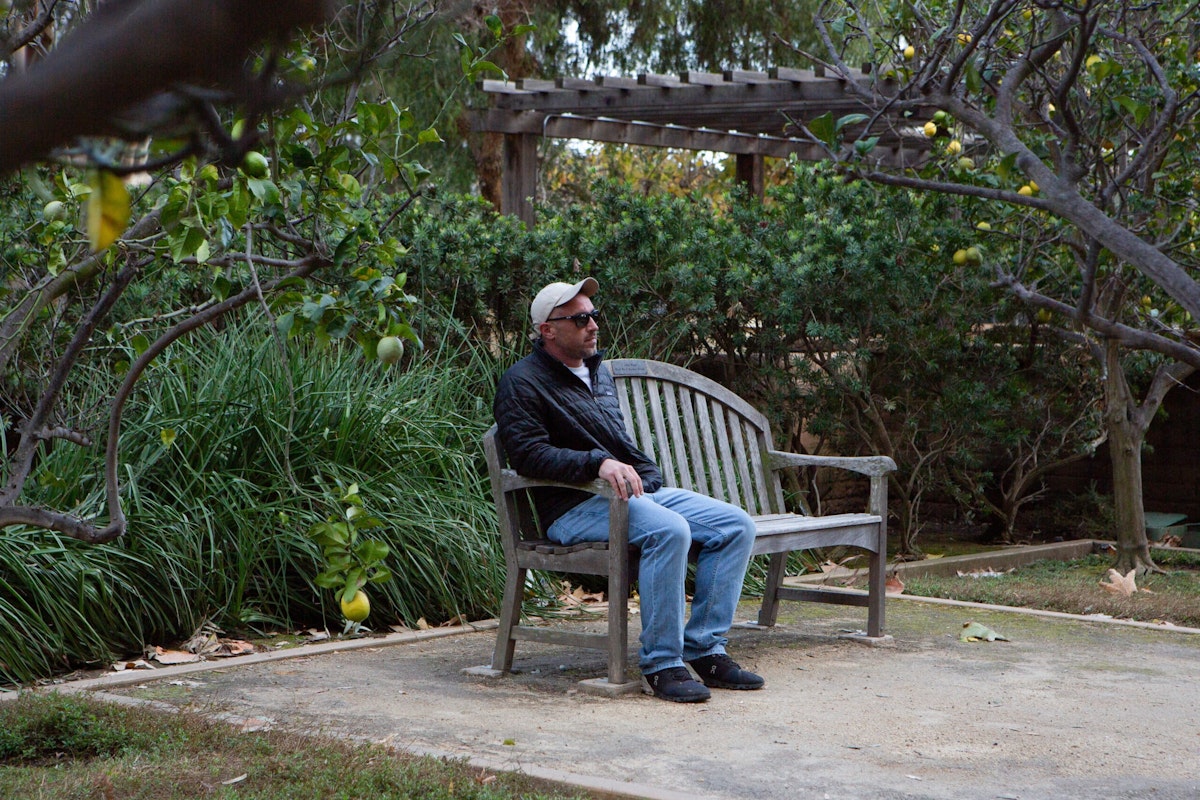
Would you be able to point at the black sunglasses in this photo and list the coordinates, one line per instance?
(581, 319)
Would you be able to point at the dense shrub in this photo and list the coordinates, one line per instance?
(229, 454)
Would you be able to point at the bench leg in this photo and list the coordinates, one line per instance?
(618, 624)
(770, 605)
(877, 588)
(510, 617)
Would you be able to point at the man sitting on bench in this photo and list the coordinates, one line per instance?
(559, 419)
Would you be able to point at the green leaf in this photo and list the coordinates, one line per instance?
(301, 157)
(850, 119)
(380, 575)
(167, 436)
(330, 533)
(974, 81)
(371, 551)
(486, 66)
(222, 287)
(823, 128)
(1006, 166)
(328, 579)
(264, 189)
(139, 343)
(346, 246)
(494, 25)
(864, 146)
(1138, 109)
(427, 136)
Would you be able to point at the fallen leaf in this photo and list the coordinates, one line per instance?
(975, 632)
(1117, 583)
(422, 624)
(893, 585)
(233, 647)
(238, 779)
(164, 656)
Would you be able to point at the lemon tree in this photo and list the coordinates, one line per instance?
(1081, 126)
(351, 561)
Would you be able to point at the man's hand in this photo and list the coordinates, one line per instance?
(623, 478)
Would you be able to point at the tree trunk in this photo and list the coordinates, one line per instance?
(1127, 422)
(1125, 439)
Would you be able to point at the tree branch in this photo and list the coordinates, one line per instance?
(118, 59)
(117, 522)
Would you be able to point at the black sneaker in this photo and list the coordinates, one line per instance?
(675, 684)
(722, 672)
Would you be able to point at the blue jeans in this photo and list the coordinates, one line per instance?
(664, 525)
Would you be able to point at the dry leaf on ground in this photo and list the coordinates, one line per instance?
(164, 656)
(1117, 583)
(976, 632)
(893, 585)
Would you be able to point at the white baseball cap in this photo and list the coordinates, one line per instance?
(554, 295)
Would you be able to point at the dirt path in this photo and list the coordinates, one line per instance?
(1065, 710)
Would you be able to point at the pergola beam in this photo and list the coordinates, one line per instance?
(745, 113)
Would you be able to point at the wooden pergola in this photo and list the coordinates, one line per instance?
(744, 113)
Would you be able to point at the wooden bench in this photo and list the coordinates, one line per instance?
(707, 439)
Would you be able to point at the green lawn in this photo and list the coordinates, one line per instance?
(63, 747)
(1074, 587)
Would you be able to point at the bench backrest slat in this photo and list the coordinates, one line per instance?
(704, 437)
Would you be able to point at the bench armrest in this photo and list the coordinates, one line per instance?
(510, 481)
(618, 510)
(865, 465)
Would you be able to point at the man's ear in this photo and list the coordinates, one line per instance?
(546, 330)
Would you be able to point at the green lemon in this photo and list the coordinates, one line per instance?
(255, 164)
(54, 211)
(389, 349)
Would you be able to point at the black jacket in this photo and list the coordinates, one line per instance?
(553, 427)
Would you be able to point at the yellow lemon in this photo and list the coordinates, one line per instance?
(910, 52)
(358, 608)
(954, 147)
(1025, 191)
(964, 38)
(960, 257)
(983, 225)
(1033, 185)
(930, 129)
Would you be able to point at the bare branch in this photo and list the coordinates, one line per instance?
(117, 522)
(55, 521)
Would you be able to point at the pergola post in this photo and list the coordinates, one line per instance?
(749, 171)
(519, 176)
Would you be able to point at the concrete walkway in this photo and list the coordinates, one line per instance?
(1068, 709)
